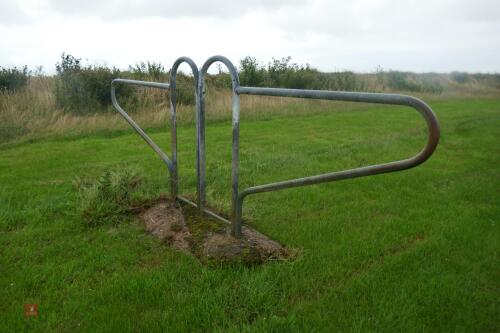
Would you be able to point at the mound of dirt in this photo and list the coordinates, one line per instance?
(166, 222)
(209, 239)
(252, 248)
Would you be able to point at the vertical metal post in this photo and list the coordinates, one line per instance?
(173, 110)
(174, 177)
(200, 144)
(236, 130)
(201, 159)
(235, 159)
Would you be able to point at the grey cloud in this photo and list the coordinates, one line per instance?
(356, 34)
(405, 25)
(11, 13)
(114, 9)
(474, 11)
(368, 18)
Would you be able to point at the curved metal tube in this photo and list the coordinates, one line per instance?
(238, 197)
(173, 113)
(134, 125)
(236, 129)
(149, 84)
(393, 99)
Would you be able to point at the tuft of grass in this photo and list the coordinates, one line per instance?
(111, 197)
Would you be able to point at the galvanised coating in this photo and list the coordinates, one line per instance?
(238, 197)
(134, 125)
(173, 111)
(171, 164)
(158, 85)
(392, 99)
(236, 131)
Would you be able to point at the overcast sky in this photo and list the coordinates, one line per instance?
(359, 35)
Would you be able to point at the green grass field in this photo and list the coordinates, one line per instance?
(405, 252)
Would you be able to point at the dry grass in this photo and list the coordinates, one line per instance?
(31, 113)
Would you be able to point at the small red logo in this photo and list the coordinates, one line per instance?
(31, 310)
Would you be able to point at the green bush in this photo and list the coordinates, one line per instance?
(279, 73)
(148, 71)
(110, 198)
(284, 74)
(85, 89)
(251, 73)
(460, 77)
(14, 78)
(400, 81)
(340, 81)
(151, 71)
(185, 89)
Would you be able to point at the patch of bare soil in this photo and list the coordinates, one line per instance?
(209, 239)
(166, 222)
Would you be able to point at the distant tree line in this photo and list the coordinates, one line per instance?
(85, 88)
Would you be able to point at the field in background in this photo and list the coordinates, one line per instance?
(76, 100)
(409, 251)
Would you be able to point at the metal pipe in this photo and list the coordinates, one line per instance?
(238, 197)
(173, 113)
(235, 126)
(134, 125)
(208, 212)
(391, 99)
(158, 85)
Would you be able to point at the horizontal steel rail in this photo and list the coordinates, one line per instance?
(390, 99)
(149, 84)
